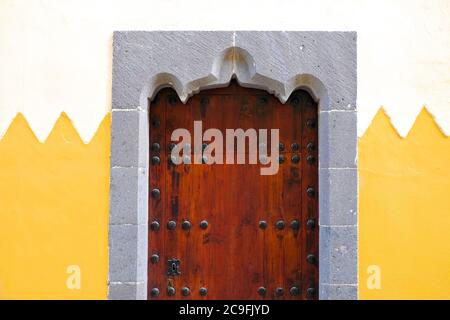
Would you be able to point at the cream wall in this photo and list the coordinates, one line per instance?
(55, 55)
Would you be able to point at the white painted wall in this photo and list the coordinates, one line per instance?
(55, 55)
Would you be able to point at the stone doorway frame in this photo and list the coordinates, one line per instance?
(323, 63)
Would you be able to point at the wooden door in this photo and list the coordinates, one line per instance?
(224, 231)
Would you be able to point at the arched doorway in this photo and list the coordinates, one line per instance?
(280, 62)
(224, 231)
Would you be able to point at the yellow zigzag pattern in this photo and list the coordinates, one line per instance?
(64, 122)
(54, 211)
(63, 125)
(424, 120)
(404, 206)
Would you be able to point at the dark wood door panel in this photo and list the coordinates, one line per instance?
(234, 255)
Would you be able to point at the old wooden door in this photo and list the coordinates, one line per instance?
(224, 231)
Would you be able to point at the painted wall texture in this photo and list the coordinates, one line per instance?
(55, 56)
(54, 212)
(404, 207)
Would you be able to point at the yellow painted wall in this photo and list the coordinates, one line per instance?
(404, 210)
(53, 212)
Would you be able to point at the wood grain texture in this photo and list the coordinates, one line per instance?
(233, 257)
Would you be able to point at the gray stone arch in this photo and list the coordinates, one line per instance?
(323, 63)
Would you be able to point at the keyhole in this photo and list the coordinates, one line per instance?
(173, 266)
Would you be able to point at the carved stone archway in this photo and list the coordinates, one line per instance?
(324, 63)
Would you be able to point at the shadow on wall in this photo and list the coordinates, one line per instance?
(404, 205)
(54, 213)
